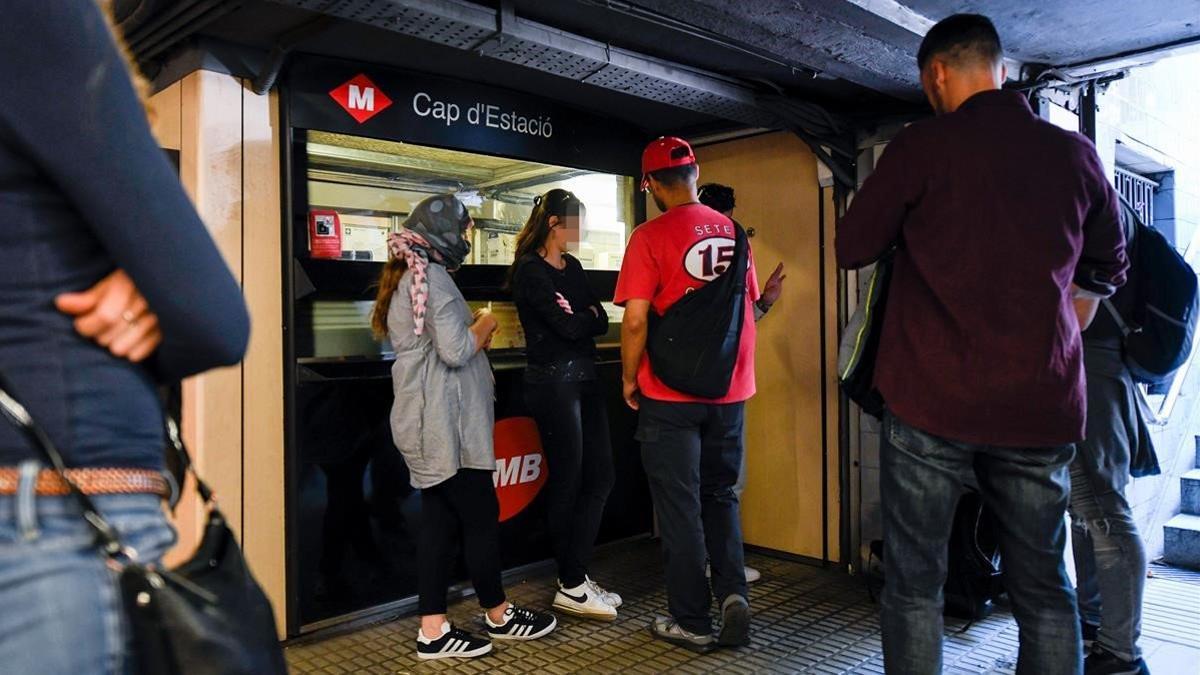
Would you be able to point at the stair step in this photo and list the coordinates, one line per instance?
(1181, 541)
(1189, 494)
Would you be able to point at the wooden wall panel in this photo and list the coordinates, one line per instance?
(167, 116)
(233, 417)
(211, 170)
(775, 178)
(262, 421)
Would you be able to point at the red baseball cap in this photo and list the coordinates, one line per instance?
(663, 153)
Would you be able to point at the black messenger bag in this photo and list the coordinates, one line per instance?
(693, 347)
(206, 617)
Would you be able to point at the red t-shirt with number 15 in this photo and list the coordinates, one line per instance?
(674, 254)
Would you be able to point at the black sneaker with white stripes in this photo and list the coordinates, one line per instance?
(520, 624)
(453, 644)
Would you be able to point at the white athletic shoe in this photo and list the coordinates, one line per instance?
(608, 596)
(752, 575)
(584, 601)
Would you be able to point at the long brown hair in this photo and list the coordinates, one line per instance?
(141, 86)
(533, 236)
(389, 280)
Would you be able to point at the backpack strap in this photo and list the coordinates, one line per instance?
(1126, 331)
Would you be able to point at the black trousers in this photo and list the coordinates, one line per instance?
(461, 508)
(573, 424)
(692, 453)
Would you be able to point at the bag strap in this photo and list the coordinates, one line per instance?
(106, 535)
(1126, 331)
(185, 460)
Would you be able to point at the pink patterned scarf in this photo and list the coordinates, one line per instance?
(417, 253)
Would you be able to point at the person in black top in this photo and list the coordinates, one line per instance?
(86, 191)
(561, 315)
(1110, 557)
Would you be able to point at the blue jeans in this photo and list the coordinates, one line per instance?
(1110, 558)
(59, 607)
(1027, 489)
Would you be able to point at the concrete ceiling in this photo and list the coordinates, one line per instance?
(873, 43)
(855, 58)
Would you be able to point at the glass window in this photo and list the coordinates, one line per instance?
(360, 189)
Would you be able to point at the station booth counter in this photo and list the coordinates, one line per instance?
(365, 145)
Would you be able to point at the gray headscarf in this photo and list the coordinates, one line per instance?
(433, 232)
(441, 220)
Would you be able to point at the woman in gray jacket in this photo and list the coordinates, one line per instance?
(441, 422)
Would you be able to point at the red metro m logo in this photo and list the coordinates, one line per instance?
(361, 98)
(520, 465)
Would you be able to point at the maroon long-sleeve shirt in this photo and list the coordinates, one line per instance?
(996, 213)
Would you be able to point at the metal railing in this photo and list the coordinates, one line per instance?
(1138, 191)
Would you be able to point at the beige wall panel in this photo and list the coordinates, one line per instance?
(777, 195)
(262, 423)
(167, 116)
(211, 169)
(832, 417)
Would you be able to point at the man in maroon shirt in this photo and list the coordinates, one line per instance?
(1006, 234)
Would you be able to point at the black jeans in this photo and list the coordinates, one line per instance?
(464, 506)
(573, 424)
(692, 453)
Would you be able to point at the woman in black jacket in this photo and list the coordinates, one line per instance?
(561, 315)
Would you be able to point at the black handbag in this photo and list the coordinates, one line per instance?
(206, 617)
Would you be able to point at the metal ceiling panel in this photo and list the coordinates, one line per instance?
(468, 26)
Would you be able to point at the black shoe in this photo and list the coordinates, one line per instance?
(1101, 662)
(453, 644)
(735, 622)
(668, 630)
(521, 624)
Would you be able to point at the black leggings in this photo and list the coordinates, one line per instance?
(464, 506)
(573, 424)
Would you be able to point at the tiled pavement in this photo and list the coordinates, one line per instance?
(806, 619)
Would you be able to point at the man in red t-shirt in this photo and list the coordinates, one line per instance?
(691, 447)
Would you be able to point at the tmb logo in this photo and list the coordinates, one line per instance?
(361, 98)
(520, 465)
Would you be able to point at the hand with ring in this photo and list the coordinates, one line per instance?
(115, 315)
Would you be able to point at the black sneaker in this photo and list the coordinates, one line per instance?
(735, 622)
(521, 624)
(1102, 662)
(453, 644)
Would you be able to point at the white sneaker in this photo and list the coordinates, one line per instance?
(584, 601)
(608, 596)
(752, 575)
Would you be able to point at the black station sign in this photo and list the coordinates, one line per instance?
(379, 102)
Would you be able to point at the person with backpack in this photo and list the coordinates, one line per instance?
(688, 287)
(561, 315)
(1110, 557)
(721, 198)
(1006, 236)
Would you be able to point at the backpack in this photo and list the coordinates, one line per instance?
(1158, 336)
(972, 560)
(694, 345)
(860, 343)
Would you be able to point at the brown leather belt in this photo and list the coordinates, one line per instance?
(101, 481)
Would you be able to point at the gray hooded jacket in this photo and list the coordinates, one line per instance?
(443, 411)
